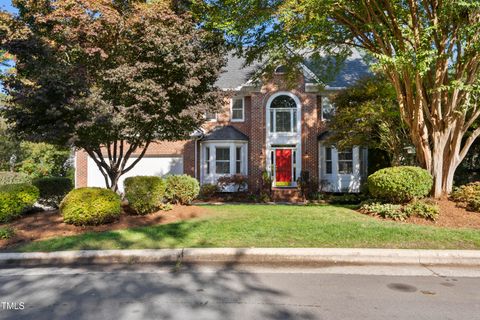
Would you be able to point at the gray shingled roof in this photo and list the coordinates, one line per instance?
(354, 68)
(235, 74)
(225, 133)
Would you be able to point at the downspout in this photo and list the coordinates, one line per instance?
(197, 137)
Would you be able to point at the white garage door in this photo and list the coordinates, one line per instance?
(148, 166)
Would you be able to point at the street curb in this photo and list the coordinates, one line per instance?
(234, 256)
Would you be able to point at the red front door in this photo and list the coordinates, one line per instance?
(283, 167)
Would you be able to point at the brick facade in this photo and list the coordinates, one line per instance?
(254, 126)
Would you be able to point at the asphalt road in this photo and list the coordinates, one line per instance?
(149, 292)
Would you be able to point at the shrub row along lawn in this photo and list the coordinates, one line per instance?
(272, 226)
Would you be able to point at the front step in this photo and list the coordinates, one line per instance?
(287, 195)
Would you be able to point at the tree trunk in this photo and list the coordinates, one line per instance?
(445, 160)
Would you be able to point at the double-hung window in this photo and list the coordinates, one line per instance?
(238, 109)
(222, 160)
(328, 160)
(210, 116)
(283, 114)
(238, 160)
(345, 161)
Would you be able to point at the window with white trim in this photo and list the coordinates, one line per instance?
(238, 109)
(345, 161)
(283, 114)
(207, 159)
(210, 116)
(328, 160)
(222, 160)
(328, 108)
(238, 160)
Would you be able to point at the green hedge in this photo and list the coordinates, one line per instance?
(144, 193)
(182, 189)
(7, 177)
(90, 206)
(15, 199)
(400, 184)
(53, 189)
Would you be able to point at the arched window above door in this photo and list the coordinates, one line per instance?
(283, 114)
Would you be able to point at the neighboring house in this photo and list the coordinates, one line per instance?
(262, 127)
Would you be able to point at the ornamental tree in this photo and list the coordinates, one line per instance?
(367, 114)
(108, 77)
(428, 49)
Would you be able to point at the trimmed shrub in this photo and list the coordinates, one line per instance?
(52, 190)
(15, 199)
(423, 208)
(144, 193)
(400, 184)
(385, 210)
(182, 189)
(469, 194)
(208, 190)
(7, 177)
(466, 192)
(90, 206)
(474, 204)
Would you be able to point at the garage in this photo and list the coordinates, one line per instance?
(147, 166)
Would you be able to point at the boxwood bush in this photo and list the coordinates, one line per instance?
(90, 206)
(182, 189)
(16, 199)
(52, 190)
(145, 194)
(400, 184)
(7, 177)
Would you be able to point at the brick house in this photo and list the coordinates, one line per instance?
(267, 126)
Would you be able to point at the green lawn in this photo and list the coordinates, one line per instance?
(272, 226)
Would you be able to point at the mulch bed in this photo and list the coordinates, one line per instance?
(452, 215)
(48, 224)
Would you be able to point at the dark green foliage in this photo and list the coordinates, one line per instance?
(367, 114)
(400, 184)
(6, 232)
(347, 198)
(7, 177)
(16, 199)
(468, 194)
(52, 189)
(42, 160)
(90, 206)
(422, 208)
(208, 190)
(182, 189)
(144, 193)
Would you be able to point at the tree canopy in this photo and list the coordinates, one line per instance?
(367, 114)
(108, 77)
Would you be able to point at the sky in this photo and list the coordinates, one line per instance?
(6, 5)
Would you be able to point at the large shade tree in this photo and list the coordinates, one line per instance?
(108, 77)
(428, 49)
